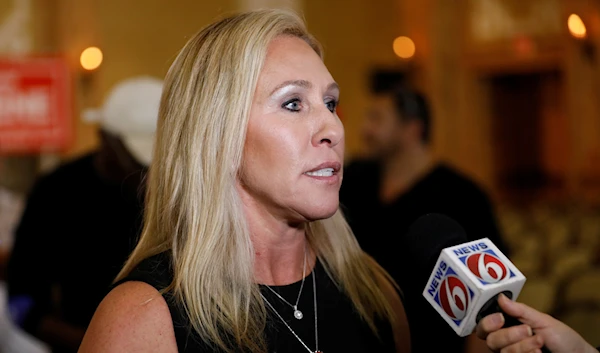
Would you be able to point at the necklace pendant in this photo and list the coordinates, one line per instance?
(298, 314)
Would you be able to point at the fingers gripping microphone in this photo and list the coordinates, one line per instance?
(464, 278)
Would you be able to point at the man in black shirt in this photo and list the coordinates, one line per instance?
(381, 197)
(82, 220)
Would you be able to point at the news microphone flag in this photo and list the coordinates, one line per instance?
(467, 278)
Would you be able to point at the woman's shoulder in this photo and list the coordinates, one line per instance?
(134, 316)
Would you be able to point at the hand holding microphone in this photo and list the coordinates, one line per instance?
(467, 278)
(556, 336)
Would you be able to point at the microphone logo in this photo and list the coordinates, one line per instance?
(488, 268)
(454, 297)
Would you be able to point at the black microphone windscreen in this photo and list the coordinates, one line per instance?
(427, 237)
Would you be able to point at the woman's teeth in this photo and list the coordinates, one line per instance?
(326, 172)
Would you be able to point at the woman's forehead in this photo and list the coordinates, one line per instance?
(291, 59)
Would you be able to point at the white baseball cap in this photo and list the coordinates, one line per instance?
(131, 112)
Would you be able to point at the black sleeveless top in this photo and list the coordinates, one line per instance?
(340, 327)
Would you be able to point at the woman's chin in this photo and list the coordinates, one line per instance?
(322, 212)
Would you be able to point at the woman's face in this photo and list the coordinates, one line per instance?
(294, 147)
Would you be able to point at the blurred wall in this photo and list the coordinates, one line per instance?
(136, 37)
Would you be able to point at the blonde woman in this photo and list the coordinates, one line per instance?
(244, 248)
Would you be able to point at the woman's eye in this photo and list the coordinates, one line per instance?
(292, 105)
(331, 105)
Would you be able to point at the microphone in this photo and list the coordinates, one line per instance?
(464, 278)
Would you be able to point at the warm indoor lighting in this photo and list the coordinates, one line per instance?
(576, 26)
(91, 58)
(404, 47)
(524, 46)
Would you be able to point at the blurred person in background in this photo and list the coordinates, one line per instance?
(12, 337)
(244, 248)
(399, 182)
(82, 220)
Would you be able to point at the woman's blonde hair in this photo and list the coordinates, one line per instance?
(193, 209)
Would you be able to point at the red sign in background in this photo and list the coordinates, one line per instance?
(35, 105)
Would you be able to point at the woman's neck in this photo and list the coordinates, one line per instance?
(279, 247)
(281, 261)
